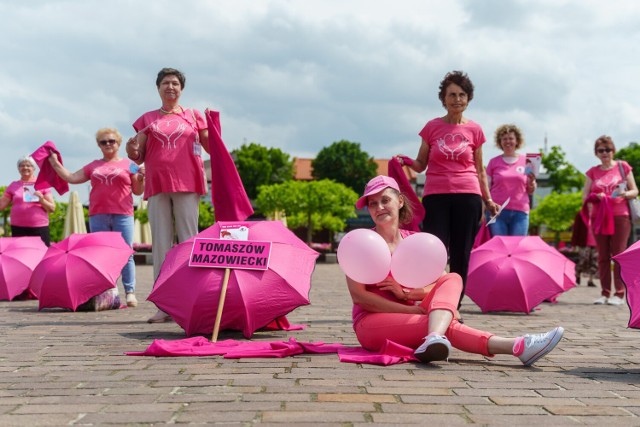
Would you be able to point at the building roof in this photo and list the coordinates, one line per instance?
(302, 169)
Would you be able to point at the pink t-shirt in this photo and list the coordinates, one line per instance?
(451, 165)
(110, 187)
(509, 180)
(172, 161)
(358, 312)
(26, 211)
(606, 181)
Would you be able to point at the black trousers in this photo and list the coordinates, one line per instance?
(43, 232)
(454, 219)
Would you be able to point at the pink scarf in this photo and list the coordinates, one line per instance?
(396, 172)
(601, 220)
(48, 177)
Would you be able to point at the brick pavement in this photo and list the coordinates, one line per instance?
(59, 368)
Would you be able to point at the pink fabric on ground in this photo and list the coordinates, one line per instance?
(392, 353)
(229, 198)
(282, 324)
(47, 177)
(397, 172)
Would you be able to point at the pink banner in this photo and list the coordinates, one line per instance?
(225, 253)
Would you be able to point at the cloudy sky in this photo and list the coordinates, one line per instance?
(299, 75)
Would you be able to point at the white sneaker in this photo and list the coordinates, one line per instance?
(601, 300)
(435, 347)
(131, 300)
(538, 345)
(615, 300)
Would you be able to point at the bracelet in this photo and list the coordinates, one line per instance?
(488, 200)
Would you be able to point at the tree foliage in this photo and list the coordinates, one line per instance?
(315, 205)
(563, 176)
(557, 211)
(56, 221)
(631, 154)
(258, 165)
(5, 214)
(206, 215)
(345, 162)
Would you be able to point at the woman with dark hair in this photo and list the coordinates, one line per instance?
(424, 319)
(170, 141)
(509, 178)
(30, 208)
(456, 183)
(607, 188)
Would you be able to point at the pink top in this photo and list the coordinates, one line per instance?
(110, 187)
(25, 210)
(172, 160)
(606, 181)
(451, 165)
(509, 180)
(358, 312)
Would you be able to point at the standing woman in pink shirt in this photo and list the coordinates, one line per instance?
(456, 183)
(169, 141)
(509, 178)
(113, 183)
(30, 208)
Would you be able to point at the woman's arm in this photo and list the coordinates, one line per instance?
(72, 178)
(4, 202)
(632, 188)
(484, 185)
(375, 303)
(203, 134)
(586, 190)
(137, 182)
(46, 201)
(137, 148)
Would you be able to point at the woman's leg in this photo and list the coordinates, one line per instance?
(185, 212)
(162, 231)
(604, 263)
(519, 223)
(466, 212)
(619, 244)
(124, 224)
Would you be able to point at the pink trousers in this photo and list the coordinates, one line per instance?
(609, 246)
(409, 330)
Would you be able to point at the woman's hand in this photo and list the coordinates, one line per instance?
(404, 160)
(140, 174)
(492, 207)
(389, 284)
(53, 159)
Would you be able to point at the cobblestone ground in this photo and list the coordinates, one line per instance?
(60, 368)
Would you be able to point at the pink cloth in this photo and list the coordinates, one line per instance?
(509, 180)
(232, 349)
(47, 177)
(173, 159)
(282, 324)
(25, 213)
(229, 198)
(396, 172)
(606, 181)
(484, 235)
(110, 187)
(451, 165)
(601, 220)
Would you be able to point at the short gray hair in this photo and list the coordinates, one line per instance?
(27, 158)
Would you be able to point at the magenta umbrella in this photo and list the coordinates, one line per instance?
(18, 258)
(516, 273)
(629, 263)
(78, 268)
(253, 298)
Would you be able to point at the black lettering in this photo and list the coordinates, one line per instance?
(196, 258)
(218, 247)
(259, 249)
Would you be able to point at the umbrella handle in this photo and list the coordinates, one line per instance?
(223, 294)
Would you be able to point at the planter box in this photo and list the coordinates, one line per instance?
(143, 258)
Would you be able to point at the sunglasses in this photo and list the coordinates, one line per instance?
(604, 150)
(107, 141)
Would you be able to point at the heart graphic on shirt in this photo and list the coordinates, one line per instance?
(106, 174)
(169, 131)
(607, 182)
(453, 145)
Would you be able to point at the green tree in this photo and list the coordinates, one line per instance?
(345, 162)
(631, 154)
(315, 205)
(258, 165)
(5, 215)
(563, 176)
(56, 221)
(557, 212)
(206, 216)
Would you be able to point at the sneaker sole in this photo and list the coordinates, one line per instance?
(433, 353)
(554, 341)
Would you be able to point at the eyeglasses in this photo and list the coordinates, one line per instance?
(604, 150)
(107, 141)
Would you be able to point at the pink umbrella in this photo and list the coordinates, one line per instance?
(253, 298)
(18, 257)
(629, 263)
(78, 268)
(516, 273)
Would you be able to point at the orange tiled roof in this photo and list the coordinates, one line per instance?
(302, 169)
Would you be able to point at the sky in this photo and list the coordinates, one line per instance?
(299, 75)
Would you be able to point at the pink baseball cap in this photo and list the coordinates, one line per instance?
(375, 186)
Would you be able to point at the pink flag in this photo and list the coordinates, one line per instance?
(230, 201)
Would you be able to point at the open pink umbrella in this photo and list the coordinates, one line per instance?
(18, 257)
(629, 263)
(516, 273)
(78, 268)
(253, 298)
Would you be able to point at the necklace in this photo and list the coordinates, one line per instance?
(173, 110)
